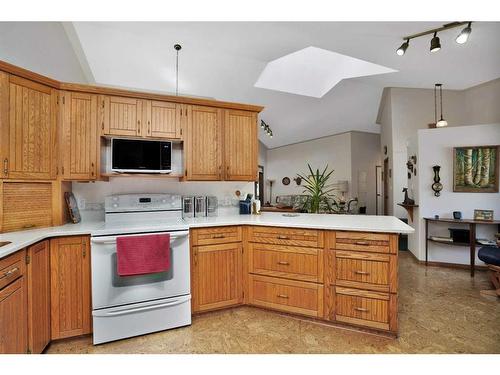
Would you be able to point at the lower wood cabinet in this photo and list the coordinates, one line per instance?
(38, 259)
(13, 306)
(216, 276)
(70, 286)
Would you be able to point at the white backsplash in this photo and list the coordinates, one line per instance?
(90, 196)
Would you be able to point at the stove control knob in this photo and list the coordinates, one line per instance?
(163, 201)
(115, 205)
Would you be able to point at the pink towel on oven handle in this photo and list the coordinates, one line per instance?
(144, 254)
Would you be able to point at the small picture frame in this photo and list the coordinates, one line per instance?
(483, 215)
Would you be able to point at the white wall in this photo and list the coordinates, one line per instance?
(287, 161)
(365, 156)
(435, 147)
(42, 47)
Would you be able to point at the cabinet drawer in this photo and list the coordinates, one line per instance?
(12, 268)
(286, 236)
(361, 241)
(365, 308)
(291, 262)
(286, 295)
(215, 235)
(362, 270)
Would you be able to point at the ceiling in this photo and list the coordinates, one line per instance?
(224, 60)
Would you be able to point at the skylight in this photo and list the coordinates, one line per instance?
(314, 71)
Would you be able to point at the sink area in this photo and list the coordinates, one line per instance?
(3, 243)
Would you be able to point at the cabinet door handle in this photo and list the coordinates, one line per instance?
(281, 237)
(361, 273)
(362, 243)
(361, 309)
(282, 296)
(92, 172)
(9, 273)
(149, 127)
(283, 263)
(218, 236)
(227, 172)
(5, 166)
(138, 126)
(27, 226)
(84, 252)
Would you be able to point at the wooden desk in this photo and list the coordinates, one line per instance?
(472, 238)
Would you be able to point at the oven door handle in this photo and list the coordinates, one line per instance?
(139, 309)
(112, 240)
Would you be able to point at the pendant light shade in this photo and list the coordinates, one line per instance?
(435, 43)
(464, 35)
(442, 122)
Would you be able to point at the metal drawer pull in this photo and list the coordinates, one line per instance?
(6, 166)
(361, 273)
(361, 309)
(282, 296)
(218, 236)
(10, 272)
(362, 243)
(280, 237)
(283, 263)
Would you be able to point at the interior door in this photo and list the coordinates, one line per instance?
(386, 186)
(203, 146)
(240, 145)
(79, 136)
(28, 129)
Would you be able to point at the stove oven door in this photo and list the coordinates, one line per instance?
(109, 289)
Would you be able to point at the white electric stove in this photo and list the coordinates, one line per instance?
(135, 305)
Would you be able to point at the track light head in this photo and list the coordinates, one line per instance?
(402, 49)
(464, 35)
(435, 43)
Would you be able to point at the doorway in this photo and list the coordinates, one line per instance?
(385, 177)
(259, 186)
(379, 204)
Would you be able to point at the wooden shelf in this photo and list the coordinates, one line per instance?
(171, 176)
(409, 208)
(456, 243)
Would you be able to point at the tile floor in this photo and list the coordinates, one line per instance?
(441, 311)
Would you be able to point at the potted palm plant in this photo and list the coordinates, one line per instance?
(317, 190)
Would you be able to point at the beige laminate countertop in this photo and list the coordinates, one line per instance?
(361, 223)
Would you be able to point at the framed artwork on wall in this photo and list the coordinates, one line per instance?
(475, 169)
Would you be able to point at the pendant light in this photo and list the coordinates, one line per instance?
(435, 43)
(442, 122)
(177, 48)
(464, 34)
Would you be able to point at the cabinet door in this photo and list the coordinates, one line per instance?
(28, 129)
(70, 286)
(121, 116)
(240, 145)
(163, 119)
(39, 296)
(203, 144)
(13, 319)
(79, 136)
(217, 276)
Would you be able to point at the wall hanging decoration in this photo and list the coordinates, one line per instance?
(437, 186)
(285, 181)
(475, 169)
(298, 180)
(485, 215)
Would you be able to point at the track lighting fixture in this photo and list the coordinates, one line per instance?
(464, 35)
(266, 128)
(435, 41)
(401, 50)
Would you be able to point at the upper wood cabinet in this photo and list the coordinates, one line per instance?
(203, 144)
(163, 119)
(121, 116)
(70, 286)
(240, 145)
(28, 128)
(78, 136)
(38, 296)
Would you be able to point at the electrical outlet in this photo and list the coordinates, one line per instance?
(81, 203)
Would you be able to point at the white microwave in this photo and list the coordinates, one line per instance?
(140, 156)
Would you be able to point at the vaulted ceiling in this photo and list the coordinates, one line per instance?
(223, 60)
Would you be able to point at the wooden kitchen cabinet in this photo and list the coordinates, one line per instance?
(38, 296)
(70, 286)
(79, 142)
(120, 116)
(28, 129)
(163, 119)
(13, 306)
(240, 145)
(216, 276)
(203, 144)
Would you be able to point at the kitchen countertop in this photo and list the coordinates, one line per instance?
(361, 223)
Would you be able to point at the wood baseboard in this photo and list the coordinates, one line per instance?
(447, 265)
